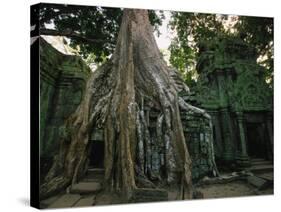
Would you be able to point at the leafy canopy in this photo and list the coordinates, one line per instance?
(191, 28)
(93, 30)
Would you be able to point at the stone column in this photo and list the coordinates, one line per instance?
(223, 98)
(228, 153)
(218, 144)
(225, 116)
(243, 158)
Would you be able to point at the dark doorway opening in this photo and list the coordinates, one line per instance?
(256, 140)
(97, 154)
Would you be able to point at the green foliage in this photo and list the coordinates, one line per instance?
(194, 28)
(183, 59)
(94, 23)
(259, 33)
(191, 28)
(90, 22)
(156, 18)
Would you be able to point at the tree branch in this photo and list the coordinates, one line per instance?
(70, 34)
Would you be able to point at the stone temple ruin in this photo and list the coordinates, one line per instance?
(232, 89)
(62, 82)
(236, 127)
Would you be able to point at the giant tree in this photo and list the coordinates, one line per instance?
(117, 96)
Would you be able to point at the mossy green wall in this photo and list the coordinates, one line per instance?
(62, 84)
(231, 82)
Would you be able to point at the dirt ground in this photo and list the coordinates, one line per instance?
(232, 189)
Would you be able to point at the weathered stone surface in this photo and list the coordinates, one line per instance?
(269, 176)
(149, 195)
(94, 175)
(62, 83)
(232, 88)
(258, 162)
(261, 168)
(86, 188)
(199, 140)
(45, 203)
(86, 201)
(257, 181)
(67, 200)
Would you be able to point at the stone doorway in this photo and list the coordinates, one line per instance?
(256, 143)
(96, 156)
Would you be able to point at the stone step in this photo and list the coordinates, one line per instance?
(92, 179)
(46, 202)
(67, 200)
(269, 176)
(86, 201)
(96, 170)
(257, 182)
(262, 162)
(86, 188)
(149, 195)
(261, 168)
(95, 173)
(257, 159)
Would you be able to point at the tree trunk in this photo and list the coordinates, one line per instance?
(117, 97)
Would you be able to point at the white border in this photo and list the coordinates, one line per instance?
(14, 112)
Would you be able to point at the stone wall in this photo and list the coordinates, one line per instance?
(232, 88)
(62, 82)
(199, 137)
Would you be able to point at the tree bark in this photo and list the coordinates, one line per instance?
(116, 98)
